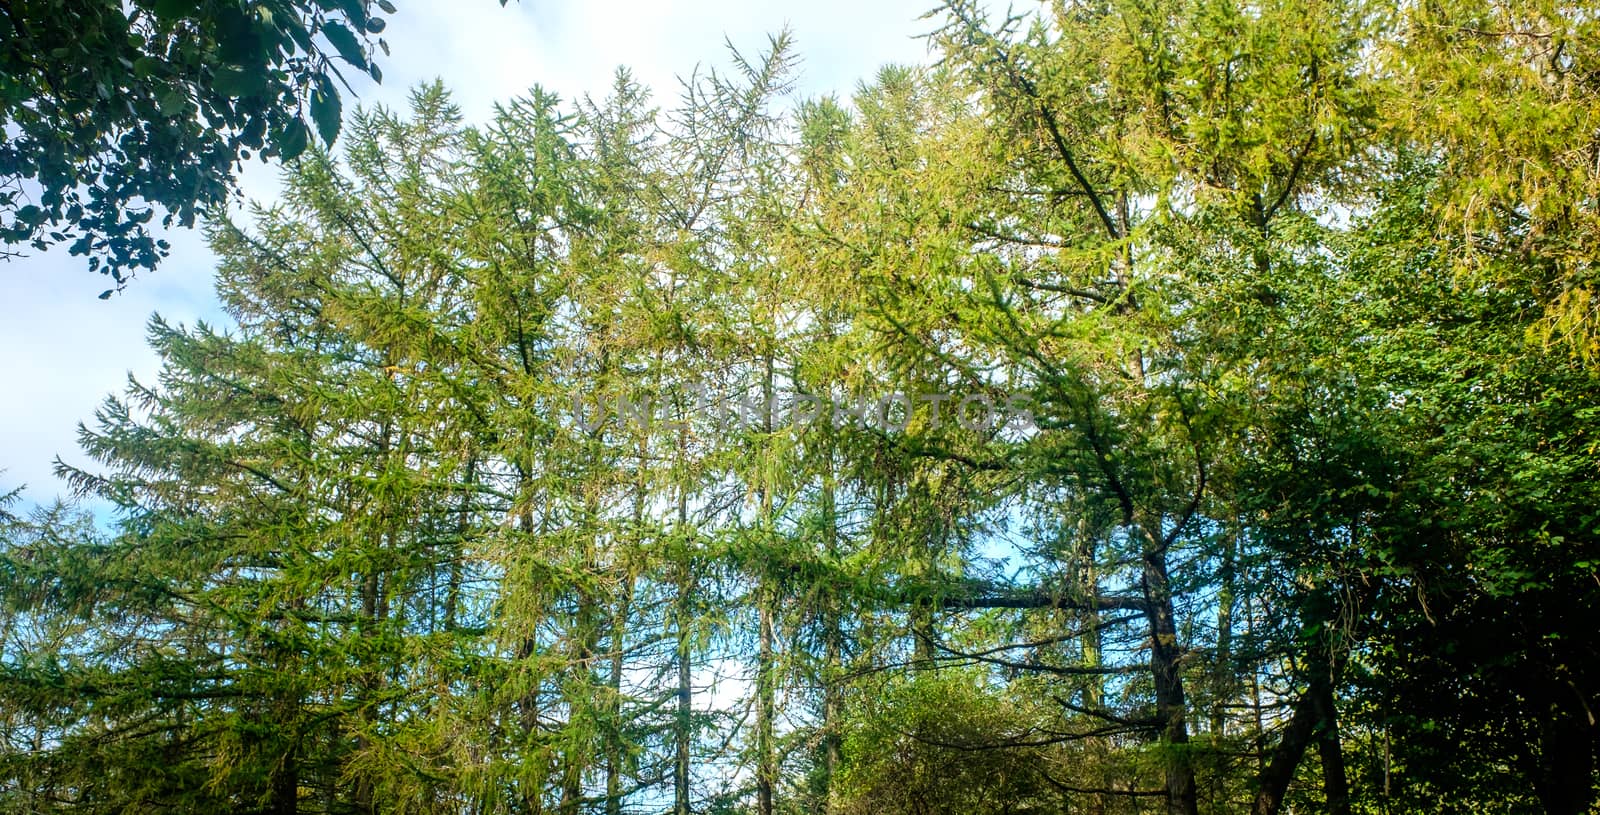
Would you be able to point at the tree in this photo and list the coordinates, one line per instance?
(113, 111)
(1069, 251)
(1470, 483)
(1472, 81)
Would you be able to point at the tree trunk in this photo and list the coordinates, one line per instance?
(1564, 778)
(766, 762)
(619, 643)
(528, 706)
(585, 652)
(1274, 781)
(1165, 669)
(614, 706)
(766, 770)
(285, 792)
(833, 654)
(1335, 786)
(1315, 718)
(1223, 680)
(682, 724)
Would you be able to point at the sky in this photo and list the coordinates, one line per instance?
(64, 350)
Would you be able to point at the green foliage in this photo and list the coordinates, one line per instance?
(944, 743)
(114, 110)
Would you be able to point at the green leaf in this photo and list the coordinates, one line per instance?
(326, 110)
(387, 6)
(169, 10)
(293, 140)
(346, 44)
(171, 101)
(231, 80)
(354, 10)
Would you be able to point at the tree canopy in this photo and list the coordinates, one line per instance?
(114, 112)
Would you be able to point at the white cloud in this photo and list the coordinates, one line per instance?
(65, 350)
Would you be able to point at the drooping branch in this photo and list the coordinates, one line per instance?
(1021, 82)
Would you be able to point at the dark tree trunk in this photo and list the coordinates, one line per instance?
(1565, 776)
(1165, 669)
(1335, 786)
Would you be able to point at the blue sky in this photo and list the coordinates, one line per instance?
(65, 350)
